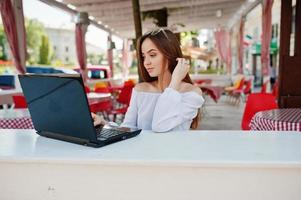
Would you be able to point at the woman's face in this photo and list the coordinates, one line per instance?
(153, 59)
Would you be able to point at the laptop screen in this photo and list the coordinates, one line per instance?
(58, 104)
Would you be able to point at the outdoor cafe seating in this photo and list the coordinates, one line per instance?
(239, 94)
(277, 120)
(17, 116)
(15, 119)
(117, 105)
(208, 88)
(19, 101)
(257, 102)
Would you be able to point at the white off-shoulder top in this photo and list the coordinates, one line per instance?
(161, 112)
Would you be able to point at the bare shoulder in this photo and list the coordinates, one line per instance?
(146, 87)
(188, 87)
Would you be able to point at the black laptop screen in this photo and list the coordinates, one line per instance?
(58, 105)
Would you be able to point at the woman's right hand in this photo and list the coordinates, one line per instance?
(98, 120)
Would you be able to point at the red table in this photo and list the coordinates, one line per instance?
(202, 81)
(215, 92)
(277, 120)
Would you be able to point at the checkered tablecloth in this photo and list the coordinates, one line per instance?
(277, 120)
(16, 123)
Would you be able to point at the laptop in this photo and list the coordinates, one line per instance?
(59, 109)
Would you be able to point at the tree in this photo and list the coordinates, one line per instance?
(187, 37)
(44, 51)
(3, 43)
(34, 31)
(95, 59)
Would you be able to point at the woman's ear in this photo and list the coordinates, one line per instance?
(165, 64)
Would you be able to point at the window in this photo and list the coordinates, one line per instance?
(97, 74)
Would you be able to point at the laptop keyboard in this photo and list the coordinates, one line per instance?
(104, 134)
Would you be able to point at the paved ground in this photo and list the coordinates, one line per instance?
(222, 115)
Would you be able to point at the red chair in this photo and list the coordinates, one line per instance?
(129, 83)
(102, 90)
(264, 87)
(122, 101)
(238, 84)
(257, 102)
(239, 87)
(19, 101)
(87, 89)
(275, 89)
(248, 87)
(234, 92)
(103, 107)
(241, 93)
(125, 95)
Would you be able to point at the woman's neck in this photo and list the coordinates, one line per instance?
(164, 80)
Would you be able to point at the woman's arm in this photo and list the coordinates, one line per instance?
(130, 119)
(98, 120)
(173, 109)
(179, 73)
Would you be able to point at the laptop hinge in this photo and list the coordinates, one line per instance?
(65, 138)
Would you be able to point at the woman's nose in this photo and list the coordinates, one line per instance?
(146, 61)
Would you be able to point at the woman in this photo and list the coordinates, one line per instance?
(166, 99)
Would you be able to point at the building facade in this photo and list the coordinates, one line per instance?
(64, 48)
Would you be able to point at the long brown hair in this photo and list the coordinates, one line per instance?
(168, 44)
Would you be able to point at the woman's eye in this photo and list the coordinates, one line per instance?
(152, 55)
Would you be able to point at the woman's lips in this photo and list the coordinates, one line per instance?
(149, 70)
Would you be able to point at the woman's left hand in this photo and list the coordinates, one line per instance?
(98, 120)
(179, 72)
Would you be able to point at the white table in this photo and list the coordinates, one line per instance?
(6, 96)
(94, 97)
(177, 165)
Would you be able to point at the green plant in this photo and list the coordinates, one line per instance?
(34, 32)
(3, 42)
(44, 51)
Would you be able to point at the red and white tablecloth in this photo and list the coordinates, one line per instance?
(16, 123)
(277, 120)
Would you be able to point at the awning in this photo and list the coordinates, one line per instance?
(188, 15)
